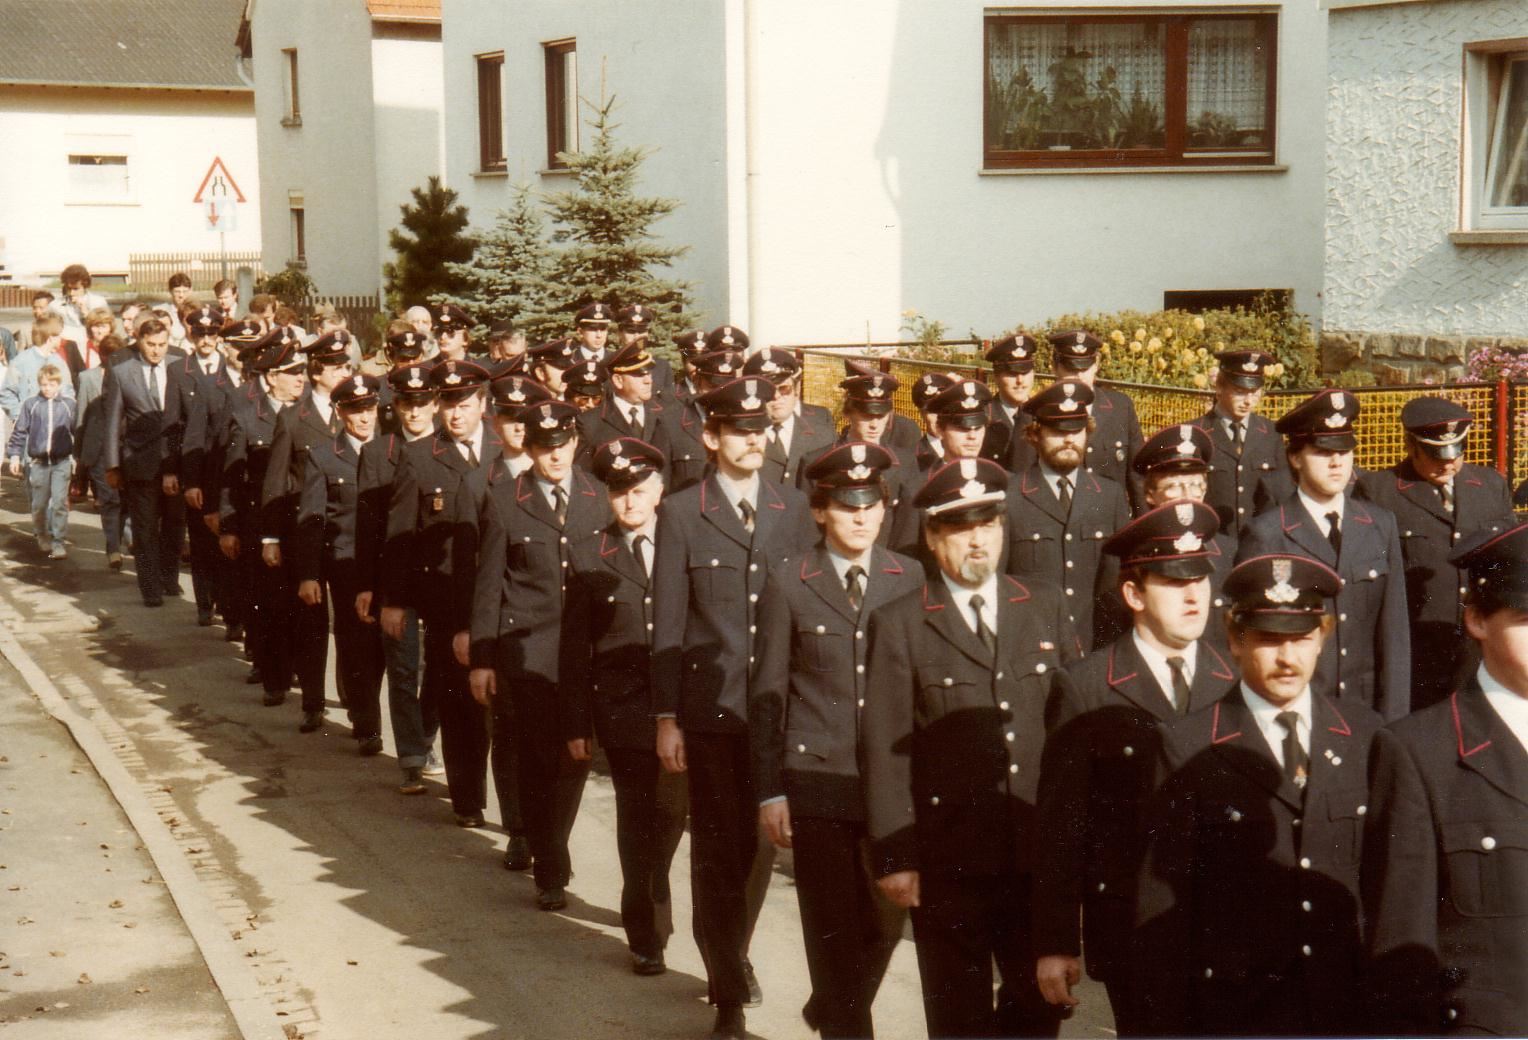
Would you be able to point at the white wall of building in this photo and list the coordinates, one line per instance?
(170, 137)
(662, 59)
(1393, 175)
(409, 131)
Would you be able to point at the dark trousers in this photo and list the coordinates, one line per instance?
(464, 726)
(109, 502)
(962, 925)
(159, 526)
(504, 762)
(268, 628)
(415, 723)
(207, 583)
(727, 859)
(358, 661)
(309, 635)
(551, 783)
(849, 929)
(647, 832)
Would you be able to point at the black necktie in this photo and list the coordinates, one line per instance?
(1296, 761)
(1446, 492)
(1180, 684)
(852, 586)
(1064, 492)
(1334, 532)
(560, 506)
(154, 386)
(775, 450)
(633, 421)
(1238, 436)
(639, 546)
(985, 634)
(745, 510)
(472, 459)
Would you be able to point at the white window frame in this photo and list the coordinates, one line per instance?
(297, 214)
(116, 146)
(1485, 97)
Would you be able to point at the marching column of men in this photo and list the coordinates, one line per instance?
(939, 661)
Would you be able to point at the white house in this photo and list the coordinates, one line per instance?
(840, 161)
(348, 104)
(112, 112)
(1427, 182)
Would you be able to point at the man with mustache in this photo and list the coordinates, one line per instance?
(1059, 514)
(950, 741)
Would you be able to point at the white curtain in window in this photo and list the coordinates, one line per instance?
(1507, 169)
(1134, 51)
(1228, 74)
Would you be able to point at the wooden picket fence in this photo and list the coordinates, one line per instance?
(358, 311)
(150, 272)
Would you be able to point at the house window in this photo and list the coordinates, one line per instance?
(1084, 90)
(561, 102)
(99, 178)
(490, 80)
(297, 209)
(292, 115)
(1197, 301)
(1497, 101)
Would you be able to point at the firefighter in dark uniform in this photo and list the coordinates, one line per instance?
(1368, 657)
(1248, 470)
(688, 455)
(798, 432)
(1117, 432)
(1438, 500)
(549, 363)
(607, 636)
(198, 372)
(313, 421)
(1059, 513)
(803, 722)
(868, 403)
(930, 449)
(1445, 869)
(1013, 370)
(690, 345)
(1101, 743)
(591, 339)
(635, 323)
(322, 546)
(584, 385)
(902, 436)
(950, 744)
(453, 332)
(961, 417)
(428, 561)
(716, 541)
(280, 372)
(1247, 911)
(414, 719)
(631, 409)
(527, 526)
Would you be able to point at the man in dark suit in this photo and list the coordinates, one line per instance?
(1059, 513)
(961, 414)
(690, 345)
(1116, 436)
(1248, 470)
(428, 563)
(689, 459)
(803, 723)
(716, 541)
(1101, 741)
(1368, 657)
(798, 432)
(549, 363)
(322, 546)
(584, 388)
(868, 417)
(279, 373)
(901, 436)
(1247, 909)
(950, 741)
(1445, 882)
(607, 627)
(929, 451)
(631, 409)
(635, 325)
(1013, 370)
(196, 375)
(526, 527)
(138, 462)
(591, 336)
(1438, 499)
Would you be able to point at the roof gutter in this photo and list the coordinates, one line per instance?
(740, 142)
(196, 88)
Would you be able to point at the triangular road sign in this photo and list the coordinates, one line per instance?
(219, 182)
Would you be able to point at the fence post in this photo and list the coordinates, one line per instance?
(1504, 438)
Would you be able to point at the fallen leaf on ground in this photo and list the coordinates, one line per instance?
(84, 979)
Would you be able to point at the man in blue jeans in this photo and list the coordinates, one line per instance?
(44, 435)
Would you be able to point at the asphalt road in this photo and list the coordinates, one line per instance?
(364, 913)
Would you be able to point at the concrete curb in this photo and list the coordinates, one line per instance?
(251, 1011)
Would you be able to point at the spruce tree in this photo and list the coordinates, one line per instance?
(430, 238)
(609, 251)
(509, 275)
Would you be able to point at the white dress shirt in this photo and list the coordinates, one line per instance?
(324, 405)
(159, 372)
(1156, 663)
(627, 407)
(1266, 715)
(518, 464)
(1512, 708)
(1318, 512)
(472, 447)
(962, 597)
(356, 445)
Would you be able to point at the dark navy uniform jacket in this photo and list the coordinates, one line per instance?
(1115, 440)
(1235, 480)
(326, 510)
(811, 435)
(251, 432)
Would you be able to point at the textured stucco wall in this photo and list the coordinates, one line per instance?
(1393, 175)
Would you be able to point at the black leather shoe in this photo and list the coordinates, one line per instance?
(172, 590)
(235, 633)
(551, 899)
(644, 965)
(518, 855)
(469, 820)
(311, 721)
(254, 678)
(729, 1023)
(370, 746)
(273, 698)
(755, 991)
(412, 783)
(204, 619)
(153, 601)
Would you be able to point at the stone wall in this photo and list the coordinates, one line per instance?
(1395, 358)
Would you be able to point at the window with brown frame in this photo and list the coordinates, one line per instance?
(1085, 91)
(490, 79)
(561, 101)
(293, 114)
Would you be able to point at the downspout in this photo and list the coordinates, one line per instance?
(738, 42)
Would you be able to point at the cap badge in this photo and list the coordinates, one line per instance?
(548, 420)
(1335, 420)
(1184, 511)
(1188, 542)
(857, 452)
(620, 462)
(1082, 339)
(859, 472)
(615, 448)
(874, 390)
(727, 335)
(970, 401)
(1337, 401)
(299, 358)
(1250, 366)
(415, 380)
(1282, 591)
(1068, 405)
(1452, 428)
(751, 402)
(360, 384)
(453, 377)
(769, 366)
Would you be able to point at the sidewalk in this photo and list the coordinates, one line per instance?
(92, 945)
